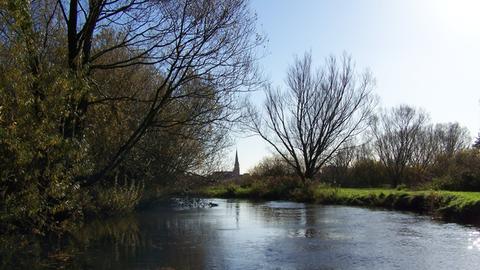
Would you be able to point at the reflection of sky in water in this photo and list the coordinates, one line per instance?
(474, 240)
(301, 236)
(241, 234)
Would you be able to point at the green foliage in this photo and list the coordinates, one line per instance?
(368, 173)
(274, 187)
(459, 172)
(362, 173)
(444, 182)
(50, 142)
(38, 165)
(272, 166)
(267, 188)
(119, 197)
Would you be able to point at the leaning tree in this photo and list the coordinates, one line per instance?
(319, 112)
(208, 43)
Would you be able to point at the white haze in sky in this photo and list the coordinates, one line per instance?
(425, 53)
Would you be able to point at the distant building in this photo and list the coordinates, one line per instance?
(236, 167)
(225, 175)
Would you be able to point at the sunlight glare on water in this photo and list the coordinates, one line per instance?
(474, 240)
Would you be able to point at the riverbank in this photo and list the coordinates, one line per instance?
(461, 207)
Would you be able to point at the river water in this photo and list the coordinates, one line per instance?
(241, 234)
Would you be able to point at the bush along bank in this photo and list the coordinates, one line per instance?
(463, 207)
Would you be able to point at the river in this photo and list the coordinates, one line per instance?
(242, 234)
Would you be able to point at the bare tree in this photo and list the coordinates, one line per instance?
(452, 138)
(320, 111)
(427, 147)
(433, 142)
(397, 133)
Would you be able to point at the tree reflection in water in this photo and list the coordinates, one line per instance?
(22, 252)
(242, 234)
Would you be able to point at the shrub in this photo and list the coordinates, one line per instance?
(119, 198)
(272, 166)
(363, 173)
(39, 160)
(460, 172)
(275, 187)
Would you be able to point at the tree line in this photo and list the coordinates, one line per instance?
(326, 126)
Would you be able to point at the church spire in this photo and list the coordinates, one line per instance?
(236, 168)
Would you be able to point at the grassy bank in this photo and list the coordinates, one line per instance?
(454, 206)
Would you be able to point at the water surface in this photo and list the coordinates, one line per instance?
(240, 234)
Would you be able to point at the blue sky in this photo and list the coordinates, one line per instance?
(424, 53)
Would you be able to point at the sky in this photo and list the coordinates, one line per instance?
(424, 53)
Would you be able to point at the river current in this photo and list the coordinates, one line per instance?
(242, 234)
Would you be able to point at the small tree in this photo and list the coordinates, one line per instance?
(397, 133)
(452, 138)
(320, 111)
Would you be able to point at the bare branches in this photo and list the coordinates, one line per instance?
(452, 138)
(319, 113)
(404, 140)
(209, 44)
(397, 134)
